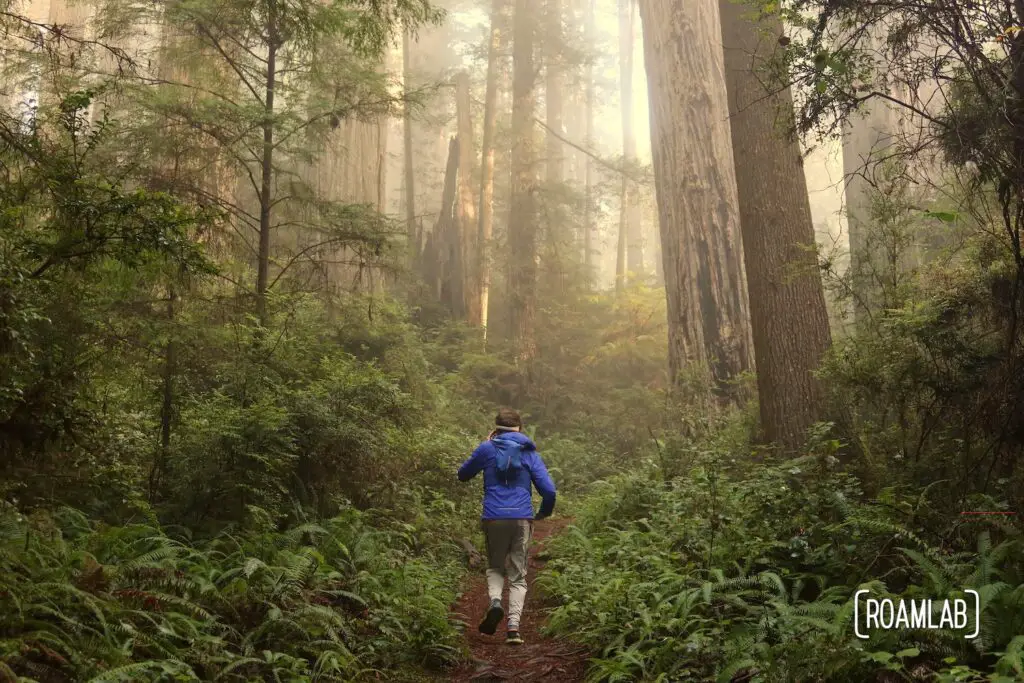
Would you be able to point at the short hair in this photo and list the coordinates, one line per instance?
(508, 418)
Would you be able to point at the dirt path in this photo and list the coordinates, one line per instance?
(540, 658)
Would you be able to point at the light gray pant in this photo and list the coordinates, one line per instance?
(507, 543)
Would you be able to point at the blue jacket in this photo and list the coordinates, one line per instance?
(511, 500)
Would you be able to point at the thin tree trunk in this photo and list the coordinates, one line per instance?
(634, 262)
(620, 245)
(590, 35)
(554, 162)
(553, 92)
(167, 405)
(430, 262)
(446, 236)
(468, 227)
(788, 317)
(626, 111)
(523, 213)
(382, 166)
(486, 227)
(267, 168)
(410, 173)
(696, 189)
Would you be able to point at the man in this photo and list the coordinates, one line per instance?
(511, 465)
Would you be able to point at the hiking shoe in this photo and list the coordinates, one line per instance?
(494, 614)
(513, 638)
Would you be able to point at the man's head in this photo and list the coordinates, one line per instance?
(508, 420)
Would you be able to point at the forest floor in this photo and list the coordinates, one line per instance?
(540, 658)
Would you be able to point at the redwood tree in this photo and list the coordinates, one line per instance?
(788, 317)
(696, 188)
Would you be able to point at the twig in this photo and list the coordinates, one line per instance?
(607, 164)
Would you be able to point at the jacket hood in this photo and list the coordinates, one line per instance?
(518, 437)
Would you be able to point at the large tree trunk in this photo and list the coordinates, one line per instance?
(696, 188)
(410, 174)
(629, 257)
(788, 317)
(486, 227)
(522, 226)
(590, 35)
(467, 202)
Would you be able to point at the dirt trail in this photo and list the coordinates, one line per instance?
(540, 658)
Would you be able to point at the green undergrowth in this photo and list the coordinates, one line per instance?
(356, 597)
(706, 565)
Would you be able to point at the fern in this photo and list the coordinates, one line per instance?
(161, 609)
(135, 672)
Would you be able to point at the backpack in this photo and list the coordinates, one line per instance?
(508, 458)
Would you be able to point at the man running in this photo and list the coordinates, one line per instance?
(511, 465)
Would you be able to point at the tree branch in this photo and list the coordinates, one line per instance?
(607, 164)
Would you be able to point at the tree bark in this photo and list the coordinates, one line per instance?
(788, 317)
(523, 211)
(696, 189)
(468, 227)
(486, 227)
(650, 212)
(267, 167)
(410, 173)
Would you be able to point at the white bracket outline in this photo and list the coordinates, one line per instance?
(856, 621)
(977, 614)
